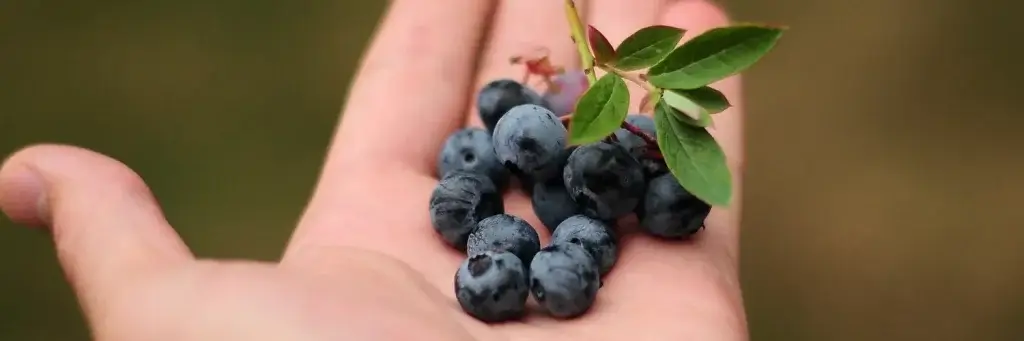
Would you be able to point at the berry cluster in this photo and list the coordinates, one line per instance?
(578, 193)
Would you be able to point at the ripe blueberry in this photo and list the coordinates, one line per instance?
(632, 143)
(564, 280)
(470, 149)
(499, 96)
(529, 139)
(637, 147)
(604, 180)
(669, 211)
(504, 233)
(492, 286)
(552, 203)
(568, 88)
(593, 235)
(460, 200)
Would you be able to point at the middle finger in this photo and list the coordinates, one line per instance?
(617, 19)
(524, 27)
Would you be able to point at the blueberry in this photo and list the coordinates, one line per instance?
(460, 200)
(526, 183)
(644, 122)
(470, 149)
(552, 203)
(550, 200)
(564, 280)
(593, 235)
(632, 143)
(492, 286)
(529, 139)
(529, 182)
(505, 233)
(637, 147)
(569, 86)
(499, 96)
(604, 180)
(669, 211)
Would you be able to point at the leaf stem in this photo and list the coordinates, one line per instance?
(578, 37)
(565, 119)
(634, 78)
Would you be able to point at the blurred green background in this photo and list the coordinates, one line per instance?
(879, 194)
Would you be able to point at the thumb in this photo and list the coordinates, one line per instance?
(105, 223)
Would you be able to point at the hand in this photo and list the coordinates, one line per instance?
(364, 262)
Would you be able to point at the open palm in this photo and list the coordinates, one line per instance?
(364, 262)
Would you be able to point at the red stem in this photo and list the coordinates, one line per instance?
(652, 151)
(651, 141)
(655, 154)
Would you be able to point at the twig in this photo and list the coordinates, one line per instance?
(650, 140)
(654, 154)
(578, 37)
(587, 61)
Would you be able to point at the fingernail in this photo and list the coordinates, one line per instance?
(43, 207)
(23, 197)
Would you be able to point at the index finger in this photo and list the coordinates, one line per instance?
(412, 86)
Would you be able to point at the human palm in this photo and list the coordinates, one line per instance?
(364, 262)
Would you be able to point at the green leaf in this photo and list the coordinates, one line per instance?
(694, 158)
(603, 51)
(646, 47)
(684, 109)
(707, 97)
(600, 110)
(714, 55)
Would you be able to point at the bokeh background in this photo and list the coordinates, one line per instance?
(881, 196)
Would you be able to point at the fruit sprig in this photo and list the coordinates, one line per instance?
(677, 81)
(586, 164)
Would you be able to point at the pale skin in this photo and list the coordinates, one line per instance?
(363, 262)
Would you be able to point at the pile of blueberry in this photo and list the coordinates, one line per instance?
(578, 193)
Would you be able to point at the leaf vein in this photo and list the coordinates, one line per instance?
(634, 55)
